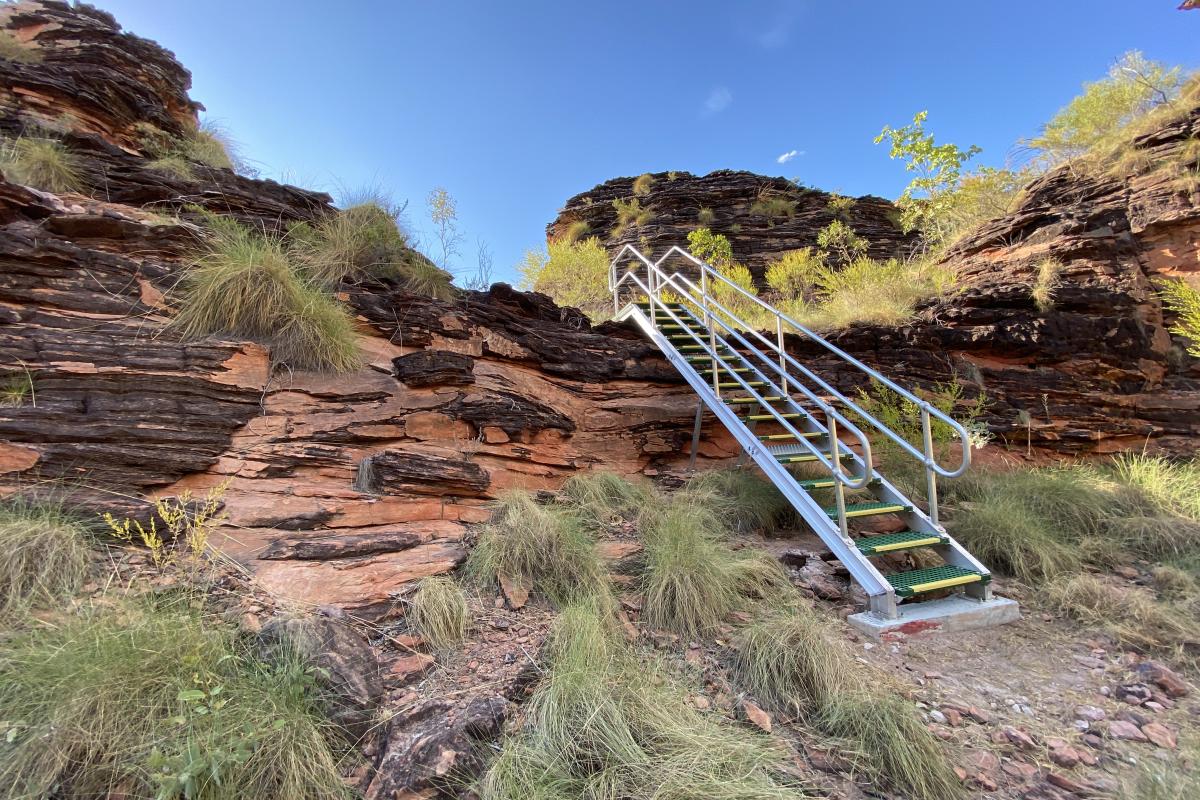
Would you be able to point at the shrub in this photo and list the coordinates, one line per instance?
(773, 206)
(1096, 119)
(978, 196)
(643, 184)
(839, 206)
(839, 239)
(711, 248)
(879, 292)
(539, 547)
(575, 231)
(745, 501)
(439, 611)
(243, 284)
(158, 702)
(705, 217)
(46, 556)
(1184, 301)
(574, 274)
(603, 723)
(41, 162)
(892, 744)
(796, 272)
(1048, 271)
(12, 49)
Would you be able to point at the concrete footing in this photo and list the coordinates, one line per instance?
(947, 615)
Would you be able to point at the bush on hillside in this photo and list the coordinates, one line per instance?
(1183, 300)
(574, 274)
(42, 162)
(796, 272)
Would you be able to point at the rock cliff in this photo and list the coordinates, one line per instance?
(342, 489)
(1096, 372)
(675, 201)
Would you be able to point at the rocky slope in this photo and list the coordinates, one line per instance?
(675, 200)
(342, 489)
(1097, 372)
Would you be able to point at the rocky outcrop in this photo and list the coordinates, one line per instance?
(675, 200)
(339, 490)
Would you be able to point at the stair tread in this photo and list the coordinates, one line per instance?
(868, 509)
(928, 579)
(903, 540)
(775, 437)
(816, 483)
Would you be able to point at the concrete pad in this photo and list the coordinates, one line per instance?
(947, 615)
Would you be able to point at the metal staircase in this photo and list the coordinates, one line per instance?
(782, 413)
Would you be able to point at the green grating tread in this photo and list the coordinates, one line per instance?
(891, 542)
(907, 584)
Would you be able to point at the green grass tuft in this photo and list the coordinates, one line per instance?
(1010, 537)
(175, 165)
(439, 612)
(46, 556)
(147, 702)
(541, 547)
(211, 145)
(41, 162)
(893, 746)
(244, 285)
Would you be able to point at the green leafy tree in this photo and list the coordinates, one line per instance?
(573, 273)
(938, 168)
(1096, 117)
(839, 239)
(712, 248)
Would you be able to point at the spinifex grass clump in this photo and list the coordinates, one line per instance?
(45, 556)
(362, 241)
(439, 611)
(42, 162)
(243, 284)
(150, 701)
(692, 578)
(746, 501)
(605, 724)
(546, 548)
(791, 661)
(605, 497)
(892, 744)
(1129, 613)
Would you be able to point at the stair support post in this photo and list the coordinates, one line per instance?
(696, 436)
(782, 361)
(930, 475)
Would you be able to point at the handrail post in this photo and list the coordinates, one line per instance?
(839, 487)
(712, 336)
(782, 363)
(930, 474)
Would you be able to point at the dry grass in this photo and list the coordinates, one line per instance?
(1046, 283)
(604, 498)
(643, 184)
(15, 390)
(439, 612)
(243, 284)
(12, 49)
(153, 701)
(894, 747)
(604, 724)
(1011, 538)
(744, 499)
(773, 207)
(1131, 614)
(792, 660)
(630, 212)
(175, 165)
(46, 556)
(575, 231)
(546, 548)
(41, 162)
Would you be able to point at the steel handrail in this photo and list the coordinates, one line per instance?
(926, 408)
(864, 442)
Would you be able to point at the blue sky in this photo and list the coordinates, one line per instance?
(516, 106)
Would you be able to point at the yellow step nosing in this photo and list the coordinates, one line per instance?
(902, 545)
(945, 582)
(867, 512)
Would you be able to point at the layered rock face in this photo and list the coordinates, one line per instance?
(340, 489)
(1095, 373)
(675, 200)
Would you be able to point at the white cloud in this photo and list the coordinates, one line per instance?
(788, 156)
(778, 31)
(718, 100)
